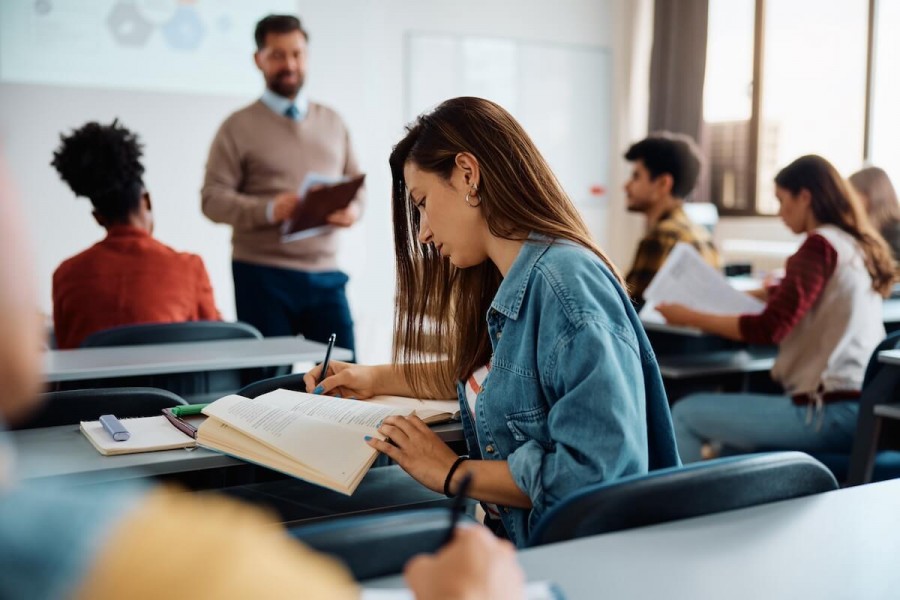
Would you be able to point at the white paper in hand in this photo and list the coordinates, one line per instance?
(685, 278)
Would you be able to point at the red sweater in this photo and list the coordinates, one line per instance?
(127, 279)
(806, 274)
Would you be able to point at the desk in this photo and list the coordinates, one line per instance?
(155, 359)
(841, 544)
(64, 454)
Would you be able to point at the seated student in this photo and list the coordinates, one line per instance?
(880, 200)
(666, 167)
(135, 541)
(128, 278)
(825, 316)
(557, 383)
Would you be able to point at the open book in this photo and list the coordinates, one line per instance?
(319, 439)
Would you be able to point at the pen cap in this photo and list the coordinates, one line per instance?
(114, 428)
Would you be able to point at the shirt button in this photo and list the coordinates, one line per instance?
(489, 449)
(498, 334)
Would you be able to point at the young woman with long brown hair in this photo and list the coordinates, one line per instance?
(505, 302)
(825, 316)
(880, 201)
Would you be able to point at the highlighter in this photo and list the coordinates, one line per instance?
(114, 428)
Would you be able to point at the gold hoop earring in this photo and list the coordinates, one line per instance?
(469, 202)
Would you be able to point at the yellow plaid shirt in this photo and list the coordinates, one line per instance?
(673, 227)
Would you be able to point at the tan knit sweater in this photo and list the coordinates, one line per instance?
(258, 154)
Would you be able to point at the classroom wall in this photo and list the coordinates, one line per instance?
(356, 66)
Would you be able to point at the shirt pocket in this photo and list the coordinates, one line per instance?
(530, 424)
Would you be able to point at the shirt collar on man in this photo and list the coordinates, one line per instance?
(279, 104)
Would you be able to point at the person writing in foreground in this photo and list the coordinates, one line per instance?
(496, 270)
(107, 541)
(825, 316)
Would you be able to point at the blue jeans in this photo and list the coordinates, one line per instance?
(759, 422)
(286, 302)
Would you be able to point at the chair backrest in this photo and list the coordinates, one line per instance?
(169, 333)
(377, 545)
(201, 385)
(72, 406)
(264, 386)
(682, 492)
(890, 342)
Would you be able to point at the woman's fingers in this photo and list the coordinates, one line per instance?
(391, 451)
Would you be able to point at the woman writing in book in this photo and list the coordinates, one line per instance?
(497, 272)
(825, 316)
(125, 539)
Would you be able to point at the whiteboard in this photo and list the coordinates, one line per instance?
(560, 93)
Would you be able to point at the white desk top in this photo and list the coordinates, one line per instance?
(124, 361)
(889, 357)
(63, 453)
(842, 544)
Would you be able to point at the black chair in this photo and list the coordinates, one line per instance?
(675, 493)
(876, 422)
(292, 382)
(378, 545)
(72, 406)
(198, 386)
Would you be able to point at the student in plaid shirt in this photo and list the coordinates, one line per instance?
(665, 171)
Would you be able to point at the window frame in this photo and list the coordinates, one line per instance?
(755, 121)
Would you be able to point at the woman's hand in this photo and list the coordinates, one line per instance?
(343, 379)
(418, 450)
(475, 564)
(676, 314)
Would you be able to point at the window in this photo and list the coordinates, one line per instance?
(786, 78)
(884, 120)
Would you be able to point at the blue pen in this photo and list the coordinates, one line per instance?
(331, 339)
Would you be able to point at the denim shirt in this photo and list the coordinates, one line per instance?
(574, 395)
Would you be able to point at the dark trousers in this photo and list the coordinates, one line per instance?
(286, 302)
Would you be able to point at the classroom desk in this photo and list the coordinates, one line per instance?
(842, 544)
(66, 456)
(155, 359)
(890, 316)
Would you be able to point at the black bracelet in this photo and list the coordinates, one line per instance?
(450, 473)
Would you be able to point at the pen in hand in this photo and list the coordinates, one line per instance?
(459, 502)
(331, 339)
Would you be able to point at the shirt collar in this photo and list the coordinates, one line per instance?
(509, 296)
(279, 104)
(126, 230)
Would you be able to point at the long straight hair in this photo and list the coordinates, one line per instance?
(875, 185)
(835, 203)
(441, 309)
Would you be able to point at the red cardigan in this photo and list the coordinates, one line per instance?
(127, 279)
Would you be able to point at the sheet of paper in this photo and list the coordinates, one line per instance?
(685, 278)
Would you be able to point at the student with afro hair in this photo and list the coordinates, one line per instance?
(129, 277)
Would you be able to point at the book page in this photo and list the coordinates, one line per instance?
(323, 434)
(685, 278)
(423, 408)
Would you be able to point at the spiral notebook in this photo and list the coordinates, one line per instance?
(148, 434)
